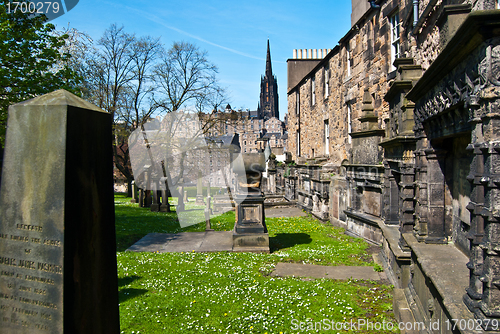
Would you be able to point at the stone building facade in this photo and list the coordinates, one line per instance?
(251, 129)
(252, 126)
(403, 119)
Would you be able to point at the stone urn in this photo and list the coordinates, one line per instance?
(250, 231)
(248, 168)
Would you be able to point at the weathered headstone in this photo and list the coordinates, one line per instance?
(142, 195)
(180, 203)
(148, 199)
(165, 205)
(209, 205)
(155, 205)
(134, 192)
(57, 233)
(199, 190)
(208, 225)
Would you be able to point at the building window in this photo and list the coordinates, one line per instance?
(395, 33)
(327, 137)
(349, 123)
(313, 91)
(327, 81)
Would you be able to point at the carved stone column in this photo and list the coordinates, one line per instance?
(476, 233)
(483, 293)
(421, 200)
(407, 202)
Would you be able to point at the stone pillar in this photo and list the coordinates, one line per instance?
(489, 305)
(134, 192)
(272, 181)
(407, 202)
(155, 205)
(186, 196)
(147, 185)
(165, 205)
(209, 191)
(421, 212)
(142, 195)
(199, 190)
(483, 293)
(180, 202)
(59, 275)
(209, 205)
(476, 233)
(208, 226)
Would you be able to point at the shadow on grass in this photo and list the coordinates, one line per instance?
(287, 240)
(130, 293)
(122, 281)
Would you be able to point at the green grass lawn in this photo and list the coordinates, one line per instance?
(234, 292)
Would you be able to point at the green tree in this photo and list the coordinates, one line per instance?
(31, 60)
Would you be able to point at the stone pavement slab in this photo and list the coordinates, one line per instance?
(217, 242)
(333, 272)
(213, 241)
(284, 212)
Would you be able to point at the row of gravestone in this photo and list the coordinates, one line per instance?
(157, 200)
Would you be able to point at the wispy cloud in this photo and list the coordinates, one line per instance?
(156, 19)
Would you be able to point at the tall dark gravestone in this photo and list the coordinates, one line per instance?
(57, 233)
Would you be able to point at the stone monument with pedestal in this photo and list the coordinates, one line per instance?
(250, 231)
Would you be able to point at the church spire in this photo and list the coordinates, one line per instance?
(268, 106)
(269, 70)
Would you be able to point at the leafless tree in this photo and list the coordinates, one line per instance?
(118, 75)
(186, 79)
(187, 82)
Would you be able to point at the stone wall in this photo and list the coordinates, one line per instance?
(413, 155)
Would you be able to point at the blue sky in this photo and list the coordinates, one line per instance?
(234, 33)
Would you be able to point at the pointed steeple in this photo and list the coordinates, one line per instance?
(268, 105)
(269, 70)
